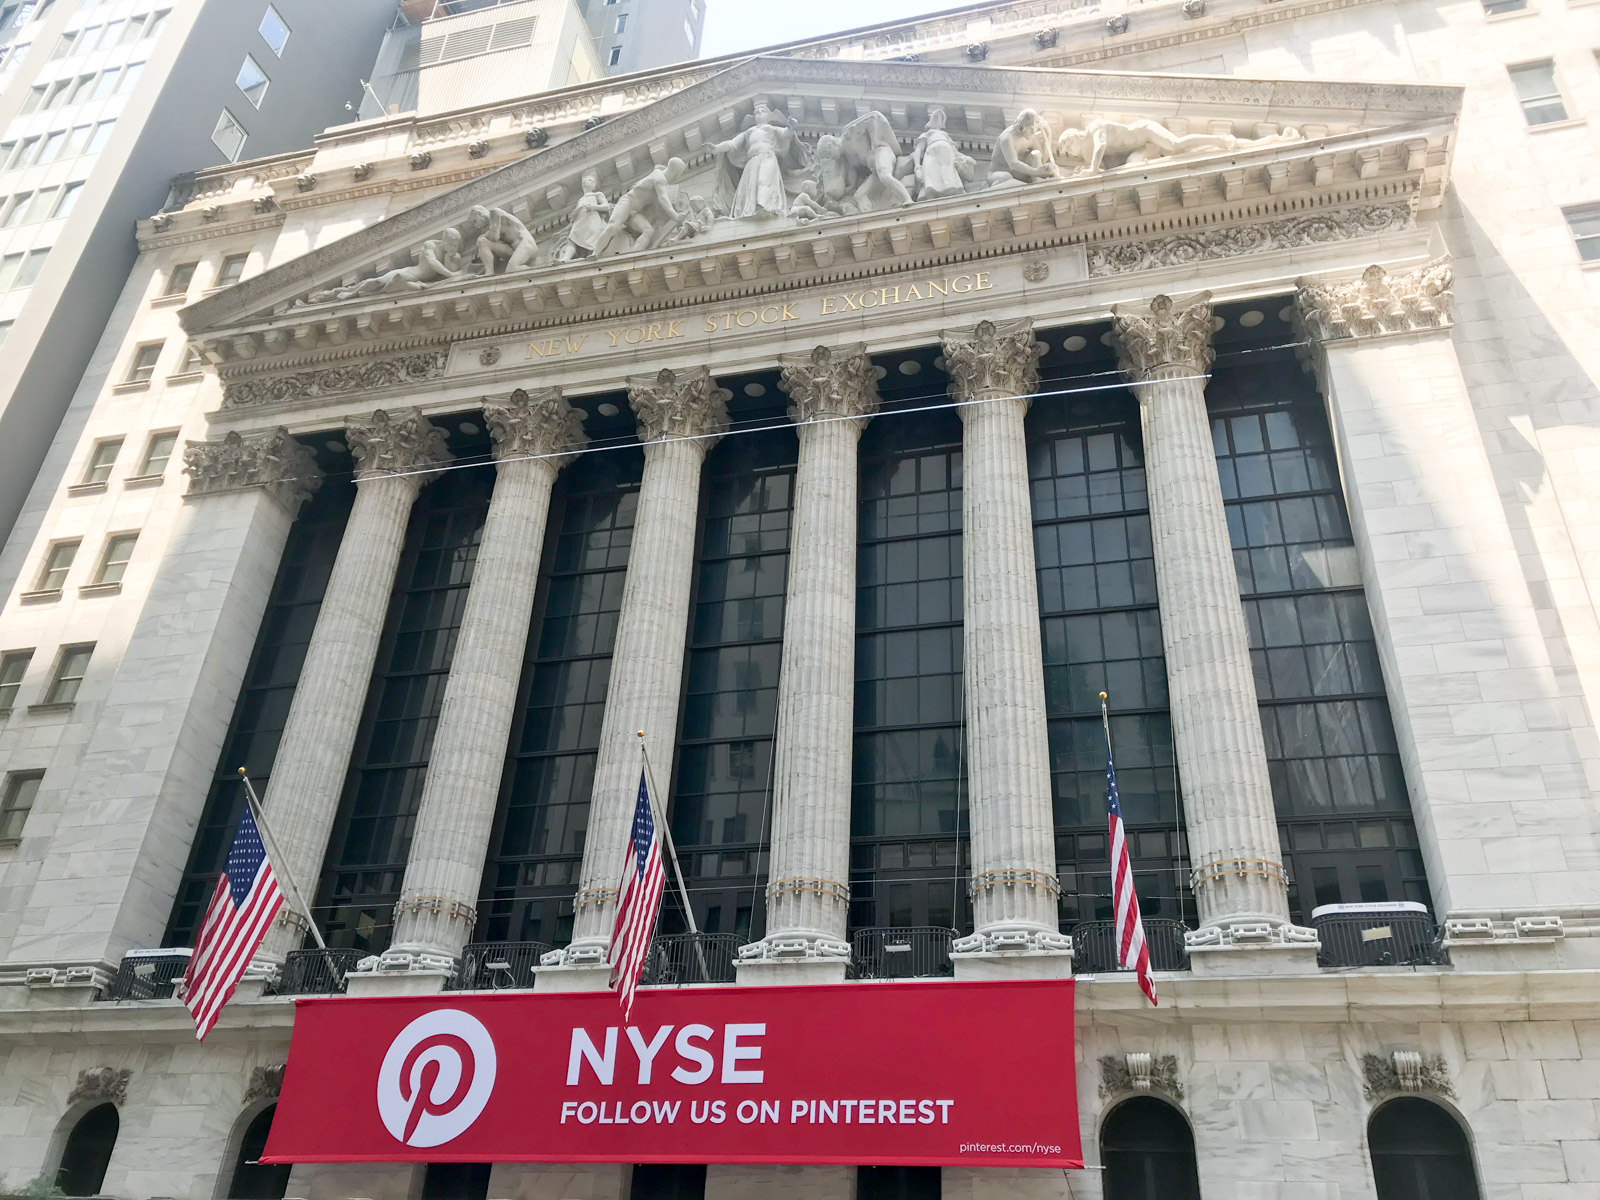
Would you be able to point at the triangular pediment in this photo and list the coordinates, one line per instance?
(1154, 152)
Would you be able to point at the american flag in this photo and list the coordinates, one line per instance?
(242, 908)
(638, 898)
(1132, 951)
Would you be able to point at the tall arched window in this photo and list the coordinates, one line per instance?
(1420, 1152)
(253, 1179)
(1148, 1152)
(88, 1151)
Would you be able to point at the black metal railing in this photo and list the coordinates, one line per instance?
(497, 966)
(1393, 939)
(908, 953)
(147, 975)
(691, 958)
(317, 972)
(1094, 947)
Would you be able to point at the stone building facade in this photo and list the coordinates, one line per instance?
(843, 421)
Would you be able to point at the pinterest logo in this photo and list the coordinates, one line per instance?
(436, 1078)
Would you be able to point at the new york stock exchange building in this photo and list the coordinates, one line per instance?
(828, 429)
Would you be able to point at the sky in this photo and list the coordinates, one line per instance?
(735, 25)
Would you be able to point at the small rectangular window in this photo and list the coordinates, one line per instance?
(50, 148)
(32, 101)
(274, 31)
(16, 802)
(232, 270)
(252, 81)
(179, 279)
(64, 46)
(130, 77)
(104, 84)
(102, 460)
(31, 266)
(76, 141)
(39, 207)
(1495, 7)
(156, 23)
(13, 666)
(102, 135)
(109, 35)
(83, 88)
(616, 56)
(193, 360)
(229, 136)
(17, 213)
(144, 362)
(70, 670)
(114, 563)
(57, 564)
(158, 454)
(68, 201)
(622, 22)
(133, 32)
(58, 94)
(9, 266)
(1536, 90)
(1584, 221)
(5, 331)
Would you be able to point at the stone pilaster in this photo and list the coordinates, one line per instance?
(1492, 732)
(1238, 876)
(680, 416)
(534, 437)
(993, 373)
(833, 394)
(395, 456)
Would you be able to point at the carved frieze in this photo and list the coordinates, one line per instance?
(1378, 303)
(399, 443)
(272, 460)
(101, 1085)
(1139, 1072)
(535, 425)
(265, 1084)
(1164, 335)
(830, 383)
(1404, 1072)
(335, 381)
(1287, 233)
(678, 404)
(992, 360)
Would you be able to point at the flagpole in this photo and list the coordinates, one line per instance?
(666, 835)
(1105, 720)
(296, 900)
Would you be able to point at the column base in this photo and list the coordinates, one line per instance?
(1252, 947)
(1013, 964)
(572, 977)
(794, 972)
(397, 983)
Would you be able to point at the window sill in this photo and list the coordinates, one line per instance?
(10, 843)
(43, 597)
(89, 590)
(135, 385)
(1496, 18)
(140, 481)
(1569, 123)
(186, 377)
(169, 301)
(45, 709)
(1589, 264)
(86, 489)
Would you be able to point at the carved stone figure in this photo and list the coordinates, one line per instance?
(750, 180)
(98, 1085)
(1022, 152)
(698, 219)
(648, 212)
(438, 260)
(503, 237)
(941, 168)
(858, 170)
(1126, 143)
(806, 210)
(589, 218)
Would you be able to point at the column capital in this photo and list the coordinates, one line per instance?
(1377, 303)
(1162, 335)
(994, 359)
(272, 460)
(678, 404)
(401, 443)
(830, 383)
(537, 424)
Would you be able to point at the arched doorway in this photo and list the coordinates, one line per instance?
(88, 1151)
(1148, 1152)
(1420, 1152)
(253, 1179)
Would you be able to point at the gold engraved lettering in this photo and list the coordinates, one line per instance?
(788, 313)
(912, 293)
(672, 329)
(612, 334)
(827, 306)
(942, 286)
(961, 283)
(983, 282)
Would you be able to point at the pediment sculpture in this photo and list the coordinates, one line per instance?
(769, 172)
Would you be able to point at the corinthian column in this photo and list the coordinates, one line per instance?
(833, 394)
(680, 416)
(993, 371)
(437, 908)
(395, 455)
(1238, 876)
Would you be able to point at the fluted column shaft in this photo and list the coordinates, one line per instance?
(808, 898)
(676, 414)
(1228, 812)
(393, 456)
(455, 818)
(993, 371)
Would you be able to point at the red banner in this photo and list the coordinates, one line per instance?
(937, 1074)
